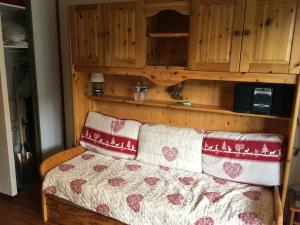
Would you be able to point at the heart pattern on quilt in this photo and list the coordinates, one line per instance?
(65, 167)
(219, 180)
(253, 195)
(249, 218)
(233, 170)
(133, 167)
(186, 180)
(115, 182)
(169, 153)
(213, 196)
(134, 202)
(151, 180)
(103, 209)
(87, 156)
(164, 168)
(117, 125)
(175, 199)
(76, 185)
(99, 168)
(51, 190)
(205, 221)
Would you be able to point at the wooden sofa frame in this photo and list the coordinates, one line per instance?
(63, 212)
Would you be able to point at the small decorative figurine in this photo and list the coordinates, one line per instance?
(176, 91)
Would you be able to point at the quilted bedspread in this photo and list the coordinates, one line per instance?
(142, 194)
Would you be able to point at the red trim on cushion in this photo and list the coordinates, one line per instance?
(243, 149)
(108, 141)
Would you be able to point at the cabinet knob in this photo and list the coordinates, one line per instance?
(237, 33)
(247, 32)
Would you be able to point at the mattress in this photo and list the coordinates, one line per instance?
(142, 194)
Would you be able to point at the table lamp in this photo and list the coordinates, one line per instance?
(97, 79)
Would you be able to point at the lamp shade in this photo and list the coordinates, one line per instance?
(96, 77)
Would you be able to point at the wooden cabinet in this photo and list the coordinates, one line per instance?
(86, 31)
(268, 37)
(124, 34)
(216, 35)
(261, 36)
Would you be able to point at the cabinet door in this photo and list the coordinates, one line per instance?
(268, 35)
(216, 35)
(124, 34)
(86, 35)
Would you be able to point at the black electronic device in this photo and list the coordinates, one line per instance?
(262, 100)
(243, 97)
(269, 99)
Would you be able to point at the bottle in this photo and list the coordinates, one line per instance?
(137, 92)
(144, 92)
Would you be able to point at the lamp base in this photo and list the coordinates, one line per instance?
(98, 92)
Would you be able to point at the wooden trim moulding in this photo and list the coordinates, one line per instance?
(169, 77)
(278, 209)
(59, 158)
(291, 142)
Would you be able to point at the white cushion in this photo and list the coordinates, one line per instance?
(110, 136)
(246, 158)
(177, 148)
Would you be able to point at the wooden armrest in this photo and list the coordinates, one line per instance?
(278, 207)
(59, 158)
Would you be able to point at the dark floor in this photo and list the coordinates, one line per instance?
(22, 210)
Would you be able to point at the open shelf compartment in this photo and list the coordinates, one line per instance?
(172, 105)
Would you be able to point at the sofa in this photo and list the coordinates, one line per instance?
(144, 174)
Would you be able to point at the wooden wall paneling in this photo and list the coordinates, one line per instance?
(81, 104)
(194, 119)
(167, 51)
(291, 141)
(295, 58)
(212, 93)
(140, 34)
(216, 35)
(86, 32)
(124, 38)
(267, 37)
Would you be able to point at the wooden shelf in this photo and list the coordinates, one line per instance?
(167, 35)
(7, 6)
(169, 77)
(173, 105)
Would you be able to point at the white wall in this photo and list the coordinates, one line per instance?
(45, 35)
(295, 173)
